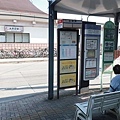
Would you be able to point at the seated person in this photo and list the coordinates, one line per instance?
(115, 82)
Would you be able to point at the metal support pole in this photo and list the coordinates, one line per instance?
(51, 52)
(116, 21)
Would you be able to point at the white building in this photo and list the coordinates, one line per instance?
(22, 22)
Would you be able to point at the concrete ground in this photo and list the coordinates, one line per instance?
(28, 100)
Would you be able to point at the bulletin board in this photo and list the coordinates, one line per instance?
(91, 51)
(67, 60)
(108, 46)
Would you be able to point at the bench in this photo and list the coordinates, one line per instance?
(100, 103)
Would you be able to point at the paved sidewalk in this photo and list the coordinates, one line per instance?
(38, 107)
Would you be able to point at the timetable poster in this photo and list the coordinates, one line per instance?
(68, 37)
(67, 80)
(67, 66)
(90, 73)
(91, 63)
(108, 56)
(68, 52)
(91, 44)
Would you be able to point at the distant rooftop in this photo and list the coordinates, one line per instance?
(19, 6)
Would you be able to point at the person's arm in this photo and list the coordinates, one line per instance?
(113, 84)
(112, 89)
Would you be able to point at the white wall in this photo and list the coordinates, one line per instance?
(39, 34)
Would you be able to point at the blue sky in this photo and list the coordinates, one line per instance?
(41, 4)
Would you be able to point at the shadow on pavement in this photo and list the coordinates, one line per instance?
(38, 107)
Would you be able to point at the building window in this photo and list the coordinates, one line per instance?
(2, 37)
(14, 38)
(10, 37)
(26, 38)
(18, 38)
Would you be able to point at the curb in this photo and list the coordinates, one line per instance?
(23, 61)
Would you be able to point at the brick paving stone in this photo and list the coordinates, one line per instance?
(42, 118)
(16, 118)
(61, 118)
(25, 115)
(34, 115)
(17, 115)
(35, 119)
(37, 107)
(42, 113)
(25, 118)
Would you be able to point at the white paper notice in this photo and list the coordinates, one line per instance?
(67, 37)
(90, 63)
(90, 73)
(91, 44)
(67, 52)
(108, 56)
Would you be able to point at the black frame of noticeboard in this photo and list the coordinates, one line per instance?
(59, 60)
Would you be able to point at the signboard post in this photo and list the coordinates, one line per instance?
(90, 54)
(91, 51)
(67, 59)
(108, 48)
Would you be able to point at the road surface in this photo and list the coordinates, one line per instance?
(17, 79)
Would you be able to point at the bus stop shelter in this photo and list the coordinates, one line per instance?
(106, 8)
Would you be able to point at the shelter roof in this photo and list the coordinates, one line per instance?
(88, 7)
